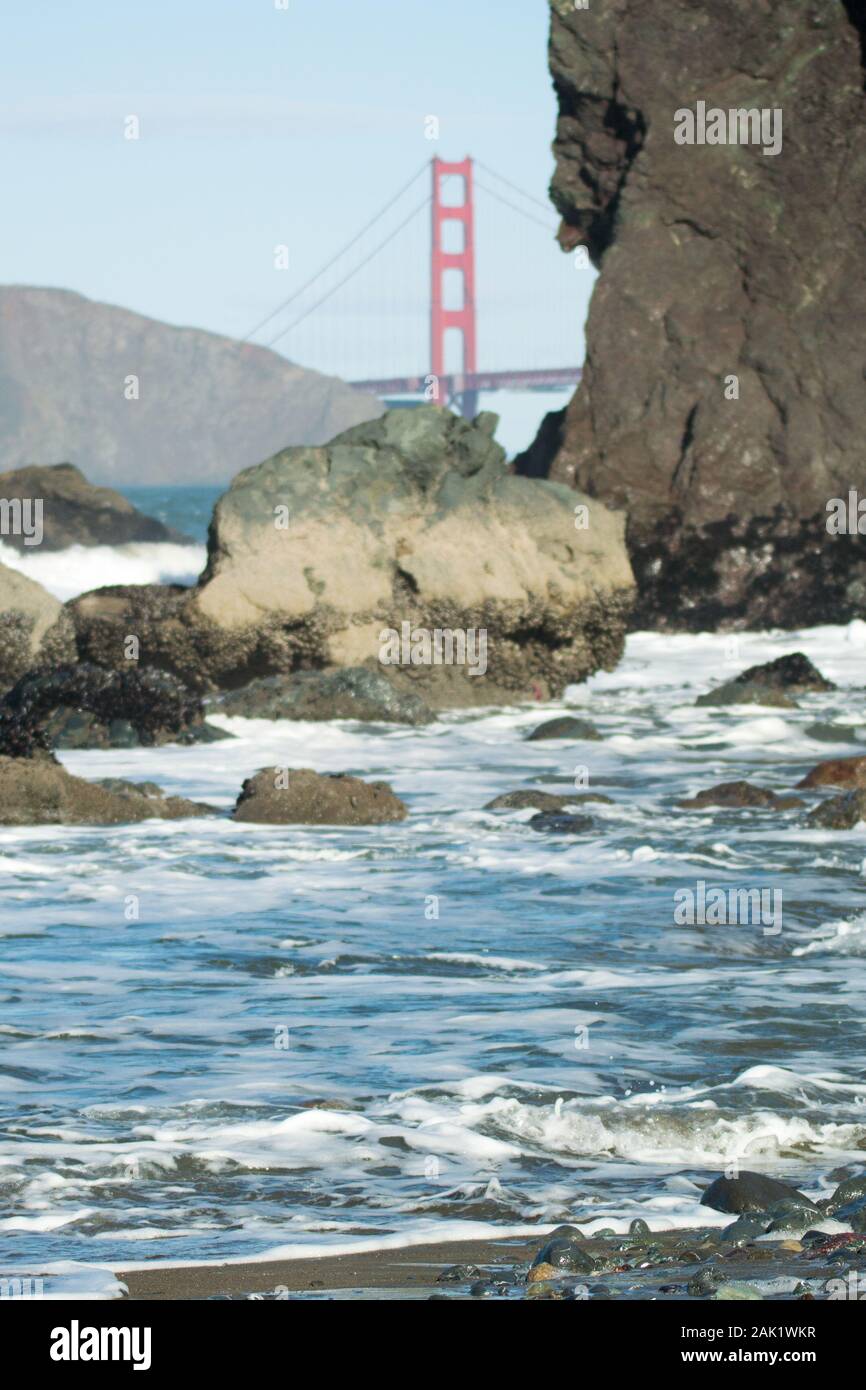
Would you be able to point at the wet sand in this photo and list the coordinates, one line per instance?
(412, 1268)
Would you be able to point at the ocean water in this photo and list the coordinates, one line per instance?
(223, 1041)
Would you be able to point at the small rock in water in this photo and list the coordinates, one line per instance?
(737, 1291)
(837, 772)
(741, 794)
(564, 1256)
(458, 1274)
(772, 683)
(551, 823)
(639, 1228)
(524, 798)
(565, 727)
(749, 1192)
(311, 798)
(849, 1190)
(745, 1229)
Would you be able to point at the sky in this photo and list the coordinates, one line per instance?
(283, 123)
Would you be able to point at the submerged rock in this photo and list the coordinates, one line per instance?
(76, 512)
(33, 627)
(553, 823)
(523, 799)
(299, 796)
(749, 1192)
(840, 812)
(745, 693)
(837, 772)
(38, 791)
(564, 727)
(741, 794)
(84, 706)
(354, 693)
(318, 558)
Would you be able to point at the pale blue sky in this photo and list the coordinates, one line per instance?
(263, 126)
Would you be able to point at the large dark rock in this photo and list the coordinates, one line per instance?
(299, 796)
(38, 791)
(85, 706)
(74, 512)
(206, 405)
(717, 261)
(409, 524)
(355, 693)
(749, 1192)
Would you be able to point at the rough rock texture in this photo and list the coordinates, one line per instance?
(717, 260)
(33, 627)
(541, 801)
(38, 791)
(299, 796)
(557, 823)
(75, 512)
(412, 518)
(840, 812)
(741, 794)
(355, 693)
(83, 706)
(207, 405)
(837, 772)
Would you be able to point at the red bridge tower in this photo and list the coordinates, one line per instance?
(462, 217)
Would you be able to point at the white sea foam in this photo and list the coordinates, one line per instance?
(67, 573)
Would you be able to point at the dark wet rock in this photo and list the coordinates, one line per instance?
(38, 791)
(552, 823)
(726, 496)
(299, 796)
(839, 812)
(76, 512)
(565, 727)
(745, 1229)
(354, 693)
(83, 706)
(566, 1232)
(793, 1214)
(857, 1220)
(639, 1229)
(706, 1281)
(539, 801)
(851, 1189)
(565, 1256)
(749, 1192)
(741, 794)
(837, 772)
(34, 629)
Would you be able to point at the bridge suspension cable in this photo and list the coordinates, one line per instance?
(296, 294)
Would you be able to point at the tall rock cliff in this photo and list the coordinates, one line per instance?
(722, 404)
(200, 405)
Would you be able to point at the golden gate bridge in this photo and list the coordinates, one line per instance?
(453, 303)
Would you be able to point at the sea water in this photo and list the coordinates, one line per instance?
(224, 1041)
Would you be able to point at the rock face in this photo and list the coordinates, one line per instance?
(750, 1192)
(714, 264)
(83, 706)
(299, 796)
(359, 553)
(355, 693)
(206, 405)
(74, 512)
(38, 791)
(33, 626)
